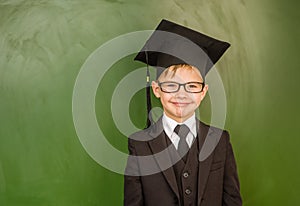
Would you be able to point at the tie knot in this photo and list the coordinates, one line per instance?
(182, 130)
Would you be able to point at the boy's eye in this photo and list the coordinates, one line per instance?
(193, 86)
(171, 85)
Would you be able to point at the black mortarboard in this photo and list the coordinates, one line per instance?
(172, 44)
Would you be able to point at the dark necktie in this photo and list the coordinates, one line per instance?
(182, 131)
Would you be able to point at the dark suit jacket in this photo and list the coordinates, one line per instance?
(150, 180)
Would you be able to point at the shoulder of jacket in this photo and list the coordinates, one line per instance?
(215, 131)
(139, 136)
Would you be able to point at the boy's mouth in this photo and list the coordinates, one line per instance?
(180, 104)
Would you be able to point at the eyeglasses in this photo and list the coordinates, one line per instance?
(172, 87)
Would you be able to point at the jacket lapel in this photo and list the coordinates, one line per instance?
(204, 135)
(161, 154)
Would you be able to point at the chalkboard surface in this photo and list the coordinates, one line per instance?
(43, 46)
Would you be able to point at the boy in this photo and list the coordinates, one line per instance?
(164, 166)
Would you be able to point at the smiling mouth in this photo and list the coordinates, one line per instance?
(180, 103)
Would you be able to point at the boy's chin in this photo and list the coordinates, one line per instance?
(184, 113)
(184, 116)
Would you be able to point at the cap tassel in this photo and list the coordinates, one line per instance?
(148, 94)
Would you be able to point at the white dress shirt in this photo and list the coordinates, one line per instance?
(170, 124)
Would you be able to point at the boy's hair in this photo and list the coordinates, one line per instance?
(173, 69)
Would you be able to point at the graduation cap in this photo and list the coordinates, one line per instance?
(172, 44)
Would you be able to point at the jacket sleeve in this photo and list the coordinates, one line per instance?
(231, 191)
(133, 195)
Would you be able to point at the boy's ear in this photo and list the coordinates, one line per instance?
(203, 93)
(155, 89)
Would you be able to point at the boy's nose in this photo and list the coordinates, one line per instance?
(181, 87)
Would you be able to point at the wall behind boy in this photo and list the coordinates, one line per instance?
(43, 46)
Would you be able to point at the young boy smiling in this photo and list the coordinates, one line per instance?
(180, 102)
(164, 166)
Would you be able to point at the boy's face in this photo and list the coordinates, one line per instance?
(180, 105)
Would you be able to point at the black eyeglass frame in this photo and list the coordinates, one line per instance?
(160, 83)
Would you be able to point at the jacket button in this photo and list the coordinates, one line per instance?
(185, 174)
(188, 191)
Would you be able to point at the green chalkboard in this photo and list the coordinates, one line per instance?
(43, 46)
